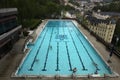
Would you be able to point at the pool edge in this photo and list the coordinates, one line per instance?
(14, 74)
(114, 74)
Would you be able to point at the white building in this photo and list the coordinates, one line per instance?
(103, 28)
(96, 0)
(99, 16)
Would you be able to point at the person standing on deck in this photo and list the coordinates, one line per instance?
(111, 53)
(74, 71)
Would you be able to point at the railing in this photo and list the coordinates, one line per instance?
(10, 32)
(5, 10)
(108, 45)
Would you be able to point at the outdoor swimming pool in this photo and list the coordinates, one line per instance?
(60, 47)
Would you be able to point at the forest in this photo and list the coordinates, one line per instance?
(31, 11)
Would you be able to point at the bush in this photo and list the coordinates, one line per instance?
(25, 33)
(31, 24)
(35, 24)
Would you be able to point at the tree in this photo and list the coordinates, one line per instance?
(30, 9)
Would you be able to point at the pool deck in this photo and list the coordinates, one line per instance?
(11, 61)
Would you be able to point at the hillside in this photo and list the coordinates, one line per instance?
(33, 9)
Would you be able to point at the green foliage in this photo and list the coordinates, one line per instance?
(117, 30)
(74, 2)
(113, 7)
(117, 33)
(29, 9)
(25, 33)
(69, 8)
(84, 21)
(35, 24)
(32, 23)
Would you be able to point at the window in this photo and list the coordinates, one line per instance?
(2, 30)
(7, 26)
(10, 24)
(13, 23)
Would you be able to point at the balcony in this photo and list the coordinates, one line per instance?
(10, 32)
(7, 11)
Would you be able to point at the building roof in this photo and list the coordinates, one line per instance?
(110, 13)
(7, 11)
(96, 21)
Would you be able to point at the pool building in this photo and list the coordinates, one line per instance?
(9, 29)
(60, 48)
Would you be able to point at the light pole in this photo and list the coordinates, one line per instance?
(110, 54)
(117, 39)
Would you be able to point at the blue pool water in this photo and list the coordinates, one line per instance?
(59, 48)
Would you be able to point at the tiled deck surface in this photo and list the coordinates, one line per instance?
(11, 61)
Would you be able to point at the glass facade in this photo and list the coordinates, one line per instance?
(1, 29)
(8, 25)
(9, 29)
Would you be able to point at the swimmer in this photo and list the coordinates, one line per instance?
(36, 60)
(50, 47)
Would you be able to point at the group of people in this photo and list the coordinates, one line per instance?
(62, 37)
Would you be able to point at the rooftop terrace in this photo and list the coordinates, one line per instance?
(7, 11)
